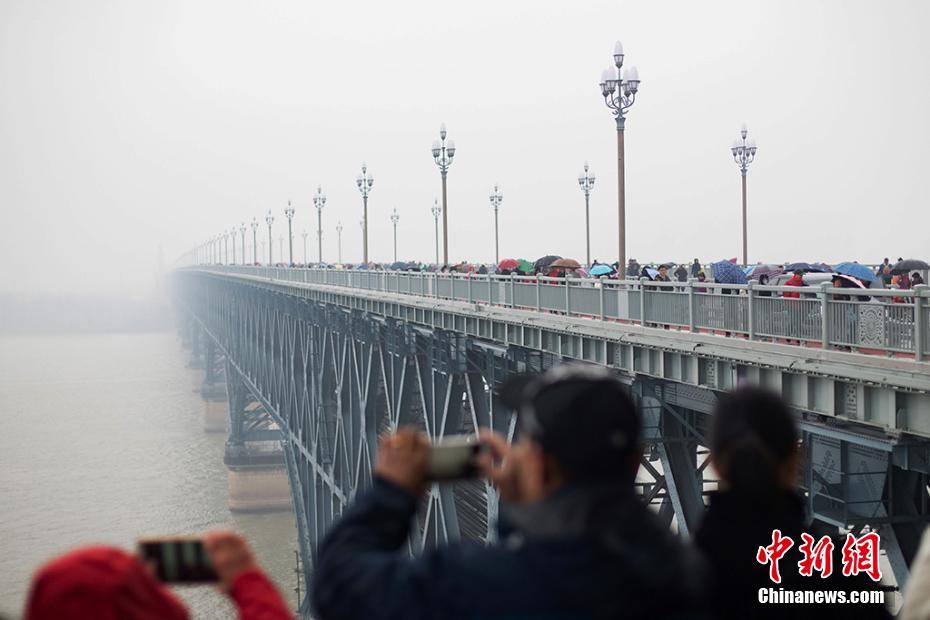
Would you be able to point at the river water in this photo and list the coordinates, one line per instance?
(102, 441)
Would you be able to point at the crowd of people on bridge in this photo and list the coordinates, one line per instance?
(904, 274)
(574, 539)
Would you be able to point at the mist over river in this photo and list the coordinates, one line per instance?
(102, 441)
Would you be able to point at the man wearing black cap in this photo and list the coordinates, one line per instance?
(574, 539)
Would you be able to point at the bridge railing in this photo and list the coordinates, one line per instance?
(868, 320)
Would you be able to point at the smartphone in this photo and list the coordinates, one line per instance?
(453, 458)
(178, 559)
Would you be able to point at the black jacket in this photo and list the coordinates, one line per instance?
(583, 553)
(730, 535)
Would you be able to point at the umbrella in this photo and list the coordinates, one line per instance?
(542, 264)
(525, 266)
(855, 270)
(767, 270)
(509, 263)
(649, 272)
(803, 267)
(566, 263)
(398, 265)
(581, 273)
(726, 272)
(854, 283)
(909, 264)
(601, 270)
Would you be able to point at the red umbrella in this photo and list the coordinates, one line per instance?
(509, 263)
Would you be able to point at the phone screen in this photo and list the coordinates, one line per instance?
(178, 560)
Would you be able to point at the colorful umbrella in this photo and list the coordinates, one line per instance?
(852, 280)
(566, 263)
(508, 263)
(601, 270)
(726, 272)
(855, 270)
(767, 270)
(525, 266)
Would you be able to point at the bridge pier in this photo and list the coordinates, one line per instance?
(258, 477)
(213, 391)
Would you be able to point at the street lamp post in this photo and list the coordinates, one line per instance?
(319, 201)
(744, 152)
(242, 238)
(442, 155)
(339, 240)
(289, 212)
(364, 182)
(496, 198)
(394, 219)
(436, 209)
(619, 87)
(281, 245)
(255, 240)
(304, 235)
(225, 238)
(232, 236)
(586, 181)
(270, 219)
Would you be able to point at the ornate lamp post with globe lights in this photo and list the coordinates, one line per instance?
(443, 152)
(395, 217)
(289, 212)
(364, 182)
(619, 87)
(744, 152)
(255, 240)
(339, 240)
(436, 209)
(304, 235)
(496, 197)
(242, 238)
(319, 201)
(586, 181)
(232, 236)
(270, 220)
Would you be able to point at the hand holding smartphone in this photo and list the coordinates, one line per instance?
(453, 458)
(178, 559)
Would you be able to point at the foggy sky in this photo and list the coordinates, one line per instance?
(129, 126)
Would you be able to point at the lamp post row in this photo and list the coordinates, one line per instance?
(619, 87)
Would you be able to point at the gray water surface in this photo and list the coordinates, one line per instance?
(102, 441)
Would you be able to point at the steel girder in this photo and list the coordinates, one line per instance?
(334, 379)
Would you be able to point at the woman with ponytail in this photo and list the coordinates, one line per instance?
(754, 447)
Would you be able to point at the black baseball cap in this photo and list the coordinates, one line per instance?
(581, 415)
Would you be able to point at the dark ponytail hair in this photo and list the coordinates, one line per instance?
(752, 436)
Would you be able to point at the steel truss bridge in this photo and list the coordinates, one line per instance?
(327, 360)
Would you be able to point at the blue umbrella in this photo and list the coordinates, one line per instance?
(860, 272)
(726, 272)
(601, 270)
(397, 265)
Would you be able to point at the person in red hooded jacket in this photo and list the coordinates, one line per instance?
(796, 280)
(107, 583)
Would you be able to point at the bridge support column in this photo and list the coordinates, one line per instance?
(213, 391)
(258, 479)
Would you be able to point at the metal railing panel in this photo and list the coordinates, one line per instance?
(720, 311)
(795, 319)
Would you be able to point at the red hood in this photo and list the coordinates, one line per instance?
(103, 583)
